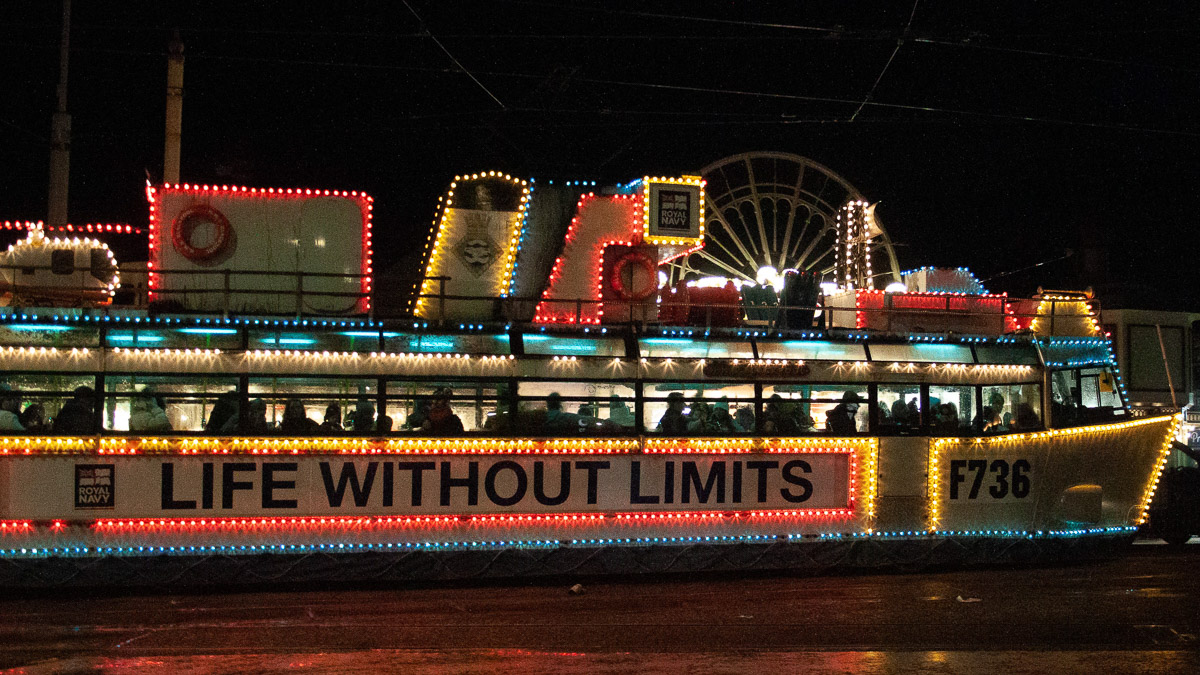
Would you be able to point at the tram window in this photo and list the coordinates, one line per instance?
(695, 409)
(688, 348)
(572, 346)
(48, 394)
(159, 404)
(1010, 407)
(1085, 396)
(195, 337)
(572, 407)
(814, 408)
(1009, 354)
(332, 403)
(49, 335)
(951, 409)
(899, 408)
(922, 353)
(811, 350)
(307, 340)
(430, 408)
(423, 343)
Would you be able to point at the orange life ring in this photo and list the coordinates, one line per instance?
(185, 226)
(618, 283)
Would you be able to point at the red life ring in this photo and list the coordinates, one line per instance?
(185, 226)
(618, 283)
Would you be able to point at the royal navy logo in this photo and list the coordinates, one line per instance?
(476, 249)
(94, 486)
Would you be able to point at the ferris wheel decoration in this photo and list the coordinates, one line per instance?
(767, 212)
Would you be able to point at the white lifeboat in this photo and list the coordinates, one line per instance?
(59, 270)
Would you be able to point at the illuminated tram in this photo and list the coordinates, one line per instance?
(553, 426)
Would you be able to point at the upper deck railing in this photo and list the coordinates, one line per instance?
(227, 292)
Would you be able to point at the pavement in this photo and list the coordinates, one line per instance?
(1136, 614)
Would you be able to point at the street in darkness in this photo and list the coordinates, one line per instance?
(1135, 614)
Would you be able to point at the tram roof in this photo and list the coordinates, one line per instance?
(116, 328)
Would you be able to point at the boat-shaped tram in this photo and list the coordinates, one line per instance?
(560, 398)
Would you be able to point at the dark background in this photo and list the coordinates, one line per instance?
(999, 137)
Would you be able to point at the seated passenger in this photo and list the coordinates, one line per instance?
(224, 416)
(34, 418)
(722, 420)
(10, 409)
(442, 421)
(743, 417)
(146, 415)
(778, 421)
(673, 423)
(77, 416)
(699, 420)
(946, 420)
(618, 412)
(416, 419)
(1026, 419)
(333, 420)
(840, 419)
(295, 420)
(383, 425)
(256, 418)
(362, 420)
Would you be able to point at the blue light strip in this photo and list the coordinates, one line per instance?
(128, 551)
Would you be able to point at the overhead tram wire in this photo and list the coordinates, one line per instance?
(686, 88)
(461, 67)
(899, 44)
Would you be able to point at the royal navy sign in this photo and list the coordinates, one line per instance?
(674, 211)
(157, 487)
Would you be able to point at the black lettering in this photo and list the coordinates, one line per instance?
(979, 466)
(635, 486)
(229, 485)
(761, 466)
(417, 469)
(956, 476)
(349, 474)
(1020, 479)
(805, 485)
(270, 485)
(489, 483)
(669, 482)
(593, 468)
(206, 485)
(388, 487)
(737, 482)
(471, 482)
(168, 490)
(1000, 489)
(690, 475)
(539, 483)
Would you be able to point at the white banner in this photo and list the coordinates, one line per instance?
(164, 487)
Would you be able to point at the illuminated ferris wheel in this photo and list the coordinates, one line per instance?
(768, 212)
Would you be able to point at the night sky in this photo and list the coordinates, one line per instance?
(997, 137)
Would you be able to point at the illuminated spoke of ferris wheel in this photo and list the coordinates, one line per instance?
(714, 243)
(722, 264)
(787, 234)
(756, 203)
(720, 218)
(816, 241)
(792, 253)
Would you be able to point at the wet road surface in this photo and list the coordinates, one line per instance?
(1140, 613)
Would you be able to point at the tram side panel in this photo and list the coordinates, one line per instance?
(1062, 480)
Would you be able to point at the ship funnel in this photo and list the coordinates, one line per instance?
(174, 130)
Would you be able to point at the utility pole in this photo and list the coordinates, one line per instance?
(60, 132)
(174, 132)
